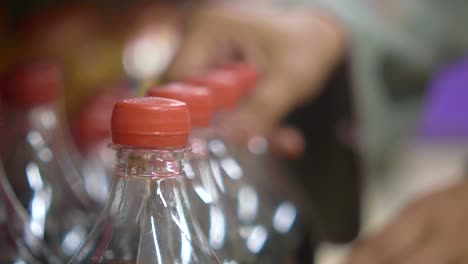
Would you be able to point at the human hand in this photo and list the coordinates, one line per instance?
(430, 231)
(295, 51)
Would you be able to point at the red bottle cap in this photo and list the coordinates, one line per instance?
(247, 74)
(32, 84)
(150, 122)
(198, 99)
(224, 85)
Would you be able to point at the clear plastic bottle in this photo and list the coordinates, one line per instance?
(271, 222)
(147, 217)
(91, 131)
(290, 213)
(39, 167)
(17, 243)
(215, 211)
(22, 246)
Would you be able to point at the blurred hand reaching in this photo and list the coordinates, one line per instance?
(295, 50)
(430, 231)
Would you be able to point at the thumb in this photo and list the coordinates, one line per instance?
(287, 84)
(287, 142)
(264, 108)
(191, 58)
(207, 42)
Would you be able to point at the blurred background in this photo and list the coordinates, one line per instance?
(99, 44)
(355, 179)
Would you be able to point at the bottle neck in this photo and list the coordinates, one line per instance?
(149, 163)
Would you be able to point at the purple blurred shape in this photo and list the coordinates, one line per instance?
(445, 115)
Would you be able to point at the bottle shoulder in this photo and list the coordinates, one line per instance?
(146, 220)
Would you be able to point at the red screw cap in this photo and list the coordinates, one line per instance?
(150, 122)
(198, 99)
(247, 74)
(224, 85)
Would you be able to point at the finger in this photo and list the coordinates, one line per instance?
(191, 59)
(362, 254)
(197, 49)
(435, 251)
(446, 245)
(402, 235)
(286, 83)
(463, 256)
(287, 142)
(215, 35)
(264, 109)
(462, 259)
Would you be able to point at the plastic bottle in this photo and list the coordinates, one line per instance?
(38, 164)
(147, 217)
(91, 131)
(12, 250)
(17, 244)
(215, 211)
(276, 231)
